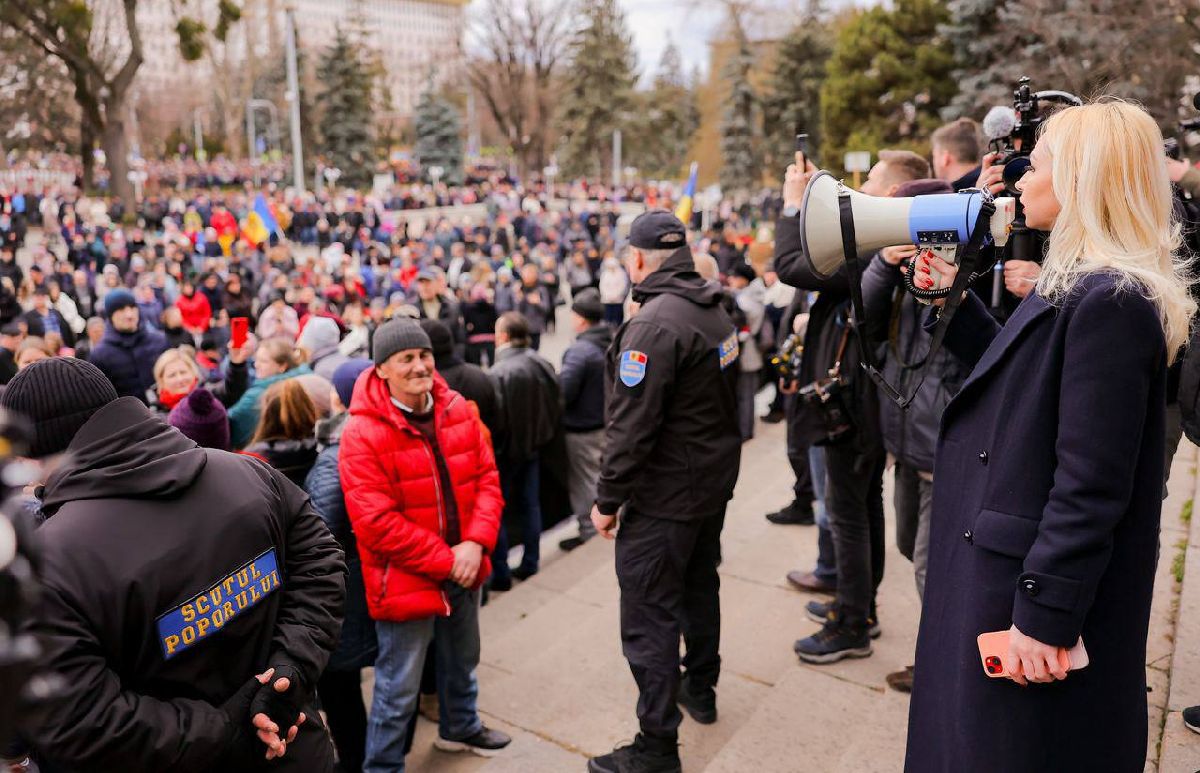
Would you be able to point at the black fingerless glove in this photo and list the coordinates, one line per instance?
(283, 708)
(241, 749)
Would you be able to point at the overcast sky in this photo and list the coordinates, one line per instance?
(690, 25)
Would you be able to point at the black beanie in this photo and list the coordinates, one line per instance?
(440, 337)
(57, 396)
(117, 299)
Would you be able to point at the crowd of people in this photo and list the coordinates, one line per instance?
(385, 380)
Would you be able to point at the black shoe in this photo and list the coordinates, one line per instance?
(523, 573)
(485, 743)
(774, 416)
(570, 543)
(1191, 719)
(833, 643)
(500, 584)
(699, 703)
(821, 612)
(794, 514)
(638, 757)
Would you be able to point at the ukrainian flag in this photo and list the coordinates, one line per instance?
(684, 210)
(260, 222)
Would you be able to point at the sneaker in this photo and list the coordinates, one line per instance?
(1191, 719)
(810, 583)
(699, 703)
(833, 643)
(822, 612)
(485, 743)
(901, 681)
(638, 757)
(794, 514)
(570, 543)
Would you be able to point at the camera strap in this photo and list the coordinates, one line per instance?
(966, 265)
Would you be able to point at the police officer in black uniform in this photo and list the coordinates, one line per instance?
(672, 449)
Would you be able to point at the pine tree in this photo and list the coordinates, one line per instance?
(881, 90)
(439, 137)
(668, 117)
(598, 94)
(346, 117)
(741, 163)
(793, 101)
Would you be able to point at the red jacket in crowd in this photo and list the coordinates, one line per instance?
(393, 495)
(196, 311)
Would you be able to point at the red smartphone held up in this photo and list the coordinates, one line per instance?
(993, 648)
(239, 329)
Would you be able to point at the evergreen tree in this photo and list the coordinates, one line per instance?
(598, 93)
(668, 118)
(793, 100)
(346, 118)
(439, 137)
(881, 90)
(741, 163)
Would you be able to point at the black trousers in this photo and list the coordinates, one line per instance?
(854, 504)
(667, 571)
(342, 698)
(797, 450)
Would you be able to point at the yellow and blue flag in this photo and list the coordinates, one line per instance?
(260, 222)
(684, 209)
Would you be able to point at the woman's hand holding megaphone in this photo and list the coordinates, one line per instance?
(933, 273)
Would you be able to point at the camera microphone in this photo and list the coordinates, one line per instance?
(1000, 122)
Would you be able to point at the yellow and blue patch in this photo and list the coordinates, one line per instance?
(209, 612)
(633, 367)
(728, 351)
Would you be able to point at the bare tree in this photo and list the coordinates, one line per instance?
(516, 48)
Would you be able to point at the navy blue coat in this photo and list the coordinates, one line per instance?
(128, 358)
(1047, 495)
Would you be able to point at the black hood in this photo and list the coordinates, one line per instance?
(124, 451)
(677, 276)
(601, 335)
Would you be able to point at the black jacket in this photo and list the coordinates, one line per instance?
(128, 358)
(827, 321)
(672, 444)
(172, 574)
(582, 378)
(473, 383)
(530, 412)
(294, 458)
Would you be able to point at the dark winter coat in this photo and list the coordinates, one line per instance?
(294, 458)
(1045, 515)
(910, 435)
(672, 445)
(173, 574)
(128, 358)
(357, 646)
(530, 411)
(582, 379)
(473, 383)
(37, 327)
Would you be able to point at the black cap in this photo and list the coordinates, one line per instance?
(657, 229)
(586, 304)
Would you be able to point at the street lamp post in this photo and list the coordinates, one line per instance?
(294, 97)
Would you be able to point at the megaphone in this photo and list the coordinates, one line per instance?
(939, 222)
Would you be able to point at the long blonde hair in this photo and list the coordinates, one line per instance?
(1110, 177)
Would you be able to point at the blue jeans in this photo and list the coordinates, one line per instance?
(826, 569)
(522, 487)
(398, 669)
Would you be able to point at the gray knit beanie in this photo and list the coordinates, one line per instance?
(396, 336)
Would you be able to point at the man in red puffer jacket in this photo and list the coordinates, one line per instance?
(424, 499)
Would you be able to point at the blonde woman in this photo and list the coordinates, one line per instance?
(177, 374)
(1049, 471)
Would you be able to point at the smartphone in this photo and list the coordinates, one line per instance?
(993, 647)
(802, 148)
(239, 328)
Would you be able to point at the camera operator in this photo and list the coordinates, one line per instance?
(854, 455)
(1049, 469)
(909, 435)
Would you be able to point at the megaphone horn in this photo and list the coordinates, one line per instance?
(936, 220)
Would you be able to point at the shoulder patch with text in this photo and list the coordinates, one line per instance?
(633, 367)
(207, 613)
(728, 351)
